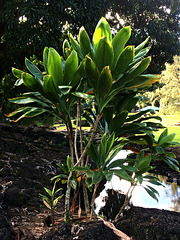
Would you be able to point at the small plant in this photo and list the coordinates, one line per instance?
(51, 202)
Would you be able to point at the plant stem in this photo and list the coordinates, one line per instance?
(86, 200)
(126, 201)
(76, 132)
(91, 138)
(93, 199)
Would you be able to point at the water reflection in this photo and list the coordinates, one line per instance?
(169, 198)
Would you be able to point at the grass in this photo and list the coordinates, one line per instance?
(170, 121)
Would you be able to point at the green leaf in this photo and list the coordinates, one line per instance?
(82, 95)
(97, 176)
(91, 71)
(167, 139)
(56, 200)
(71, 66)
(76, 46)
(49, 87)
(34, 70)
(31, 82)
(125, 58)
(151, 193)
(102, 30)
(66, 46)
(81, 169)
(119, 41)
(140, 46)
(73, 183)
(104, 82)
(132, 73)
(143, 81)
(69, 163)
(104, 53)
(118, 121)
(65, 170)
(110, 142)
(163, 135)
(121, 173)
(108, 175)
(17, 73)
(139, 178)
(45, 59)
(55, 68)
(27, 100)
(171, 164)
(143, 162)
(59, 176)
(48, 191)
(84, 41)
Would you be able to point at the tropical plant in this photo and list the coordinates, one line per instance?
(51, 201)
(110, 74)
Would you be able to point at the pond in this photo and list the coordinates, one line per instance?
(169, 195)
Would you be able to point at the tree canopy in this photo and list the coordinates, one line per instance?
(169, 95)
(158, 19)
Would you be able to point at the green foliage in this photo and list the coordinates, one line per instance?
(51, 200)
(110, 76)
(167, 95)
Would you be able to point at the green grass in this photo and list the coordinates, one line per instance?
(170, 122)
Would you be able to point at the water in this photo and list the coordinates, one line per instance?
(169, 198)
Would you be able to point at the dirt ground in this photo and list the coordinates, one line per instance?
(28, 158)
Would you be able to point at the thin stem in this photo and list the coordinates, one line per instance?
(93, 199)
(86, 200)
(126, 201)
(91, 138)
(80, 129)
(76, 132)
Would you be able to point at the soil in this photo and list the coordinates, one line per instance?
(28, 158)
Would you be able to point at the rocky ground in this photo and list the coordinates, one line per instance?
(28, 158)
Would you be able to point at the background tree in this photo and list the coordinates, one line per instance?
(169, 95)
(158, 19)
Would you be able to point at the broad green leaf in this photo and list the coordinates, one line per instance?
(163, 135)
(102, 30)
(171, 164)
(18, 82)
(119, 41)
(31, 82)
(104, 82)
(76, 46)
(125, 58)
(82, 95)
(34, 70)
(140, 178)
(97, 176)
(108, 113)
(80, 169)
(118, 121)
(143, 81)
(104, 53)
(32, 113)
(143, 163)
(69, 164)
(92, 72)
(19, 110)
(110, 142)
(55, 68)
(151, 193)
(71, 66)
(17, 73)
(92, 152)
(140, 46)
(142, 53)
(66, 46)
(132, 73)
(45, 59)
(27, 100)
(49, 87)
(73, 183)
(108, 175)
(167, 139)
(84, 41)
(121, 173)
